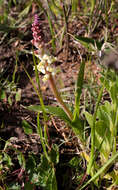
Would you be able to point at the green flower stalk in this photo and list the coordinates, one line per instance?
(45, 65)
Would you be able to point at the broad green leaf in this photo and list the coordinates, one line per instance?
(78, 127)
(104, 116)
(77, 124)
(57, 111)
(107, 107)
(102, 129)
(27, 128)
(114, 92)
(103, 136)
(89, 118)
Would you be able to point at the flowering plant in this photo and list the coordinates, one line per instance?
(46, 60)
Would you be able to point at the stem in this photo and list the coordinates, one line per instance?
(58, 97)
(39, 93)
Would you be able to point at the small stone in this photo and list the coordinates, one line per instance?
(110, 59)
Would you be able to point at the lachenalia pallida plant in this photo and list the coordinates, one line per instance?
(45, 65)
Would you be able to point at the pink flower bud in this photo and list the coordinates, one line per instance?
(37, 32)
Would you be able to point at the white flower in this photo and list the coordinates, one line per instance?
(46, 77)
(44, 64)
(50, 69)
(41, 68)
(54, 72)
(48, 59)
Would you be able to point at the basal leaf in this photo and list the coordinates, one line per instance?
(77, 124)
(78, 127)
(89, 118)
(57, 111)
(104, 116)
(103, 136)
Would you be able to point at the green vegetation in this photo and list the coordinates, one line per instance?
(90, 118)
